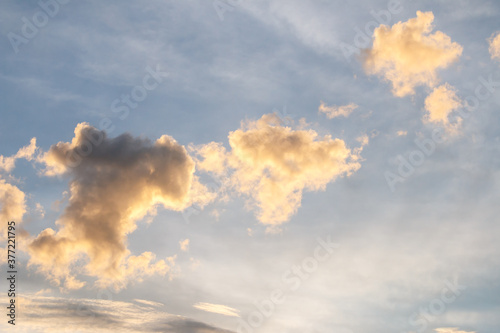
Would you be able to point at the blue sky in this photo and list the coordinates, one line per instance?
(230, 177)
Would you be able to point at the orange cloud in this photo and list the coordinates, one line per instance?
(440, 103)
(114, 183)
(494, 42)
(273, 164)
(217, 308)
(408, 54)
(450, 330)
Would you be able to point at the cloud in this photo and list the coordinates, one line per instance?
(408, 54)
(401, 133)
(450, 330)
(273, 164)
(7, 164)
(184, 245)
(217, 308)
(337, 111)
(440, 103)
(60, 315)
(494, 42)
(12, 205)
(115, 182)
(149, 303)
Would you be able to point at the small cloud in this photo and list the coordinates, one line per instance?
(217, 308)
(184, 245)
(402, 133)
(440, 103)
(337, 111)
(12, 205)
(150, 303)
(408, 54)
(40, 210)
(494, 42)
(7, 164)
(451, 330)
(44, 292)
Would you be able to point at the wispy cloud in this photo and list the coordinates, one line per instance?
(105, 316)
(217, 308)
(337, 111)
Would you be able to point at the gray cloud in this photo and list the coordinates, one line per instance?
(115, 183)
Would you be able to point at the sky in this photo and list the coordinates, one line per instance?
(250, 166)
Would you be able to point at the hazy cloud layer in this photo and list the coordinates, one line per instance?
(273, 164)
(60, 315)
(114, 183)
(409, 55)
(337, 111)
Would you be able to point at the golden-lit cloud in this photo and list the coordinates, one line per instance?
(494, 42)
(272, 165)
(12, 203)
(184, 245)
(115, 182)
(213, 158)
(408, 54)
(7, 164)
(149, 303)
(217, 308)
(450, 330)
(337, 111)
(440, 103)
(401, 133)
(12, 206)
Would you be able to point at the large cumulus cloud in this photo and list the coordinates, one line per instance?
(114, 183)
